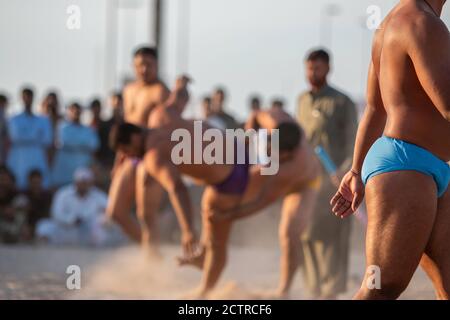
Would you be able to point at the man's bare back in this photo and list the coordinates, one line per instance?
(411, 114)
(160, 146)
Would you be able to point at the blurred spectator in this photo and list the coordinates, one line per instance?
(39, 200)
(77, 214)
(96, 110)
(329, 120)
(3, 128)
(209, 116)
(31, 138)
(206, 107)
(50, 109)
(105, 156)
(75, 147)
(277, 104)
(255, 103)
(218, 108)
(13, 210)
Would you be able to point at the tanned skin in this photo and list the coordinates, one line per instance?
(298, 204)
(408, 99)
(130, 183)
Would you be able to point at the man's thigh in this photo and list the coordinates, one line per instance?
(122, 190)
(401, 208)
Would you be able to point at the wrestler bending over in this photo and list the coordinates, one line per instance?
(297, 183)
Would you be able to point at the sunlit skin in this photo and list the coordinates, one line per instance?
(130, 184)
(408, 98)
(262, 191)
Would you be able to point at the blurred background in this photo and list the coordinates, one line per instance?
(247, 46)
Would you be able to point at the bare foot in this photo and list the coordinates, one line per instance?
(195, 261)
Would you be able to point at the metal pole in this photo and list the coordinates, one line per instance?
(157, 28)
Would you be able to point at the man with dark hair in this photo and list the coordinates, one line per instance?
(218, 108)
(277, 104)
(146, 51)
(96, 111)
(255, 103)
(401, 153)
(76, 146)
(129, 184)
(3, 128)
(31, 139)
(329, 119)
(319, 54)
(206, 107)
(51, 109)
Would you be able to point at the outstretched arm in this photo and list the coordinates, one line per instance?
(371, 127)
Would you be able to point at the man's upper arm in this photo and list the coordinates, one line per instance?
(429, 51)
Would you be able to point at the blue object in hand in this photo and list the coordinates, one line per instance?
(326, 160)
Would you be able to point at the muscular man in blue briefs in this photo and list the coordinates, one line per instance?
(401, 150)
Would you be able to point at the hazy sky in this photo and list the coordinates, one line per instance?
(246, 45)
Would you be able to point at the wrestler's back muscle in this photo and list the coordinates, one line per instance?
(412, 115)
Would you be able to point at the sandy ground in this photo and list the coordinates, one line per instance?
(39, 272)
(125, 273)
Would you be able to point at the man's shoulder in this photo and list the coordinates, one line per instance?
(414, 24)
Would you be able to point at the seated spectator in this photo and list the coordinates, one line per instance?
(39, 200)
(77, 215)
(13, 210)
(75, 148)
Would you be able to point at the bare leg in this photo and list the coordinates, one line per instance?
(148, 201)
(401, 209)
(216, 235)
(121, 197)
(436, 260)
(297, 208)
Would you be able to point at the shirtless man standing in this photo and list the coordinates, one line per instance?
(129, 183)
(299, 192)
(402, 147)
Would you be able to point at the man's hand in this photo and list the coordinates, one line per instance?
(189, 243)
(349, 196)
